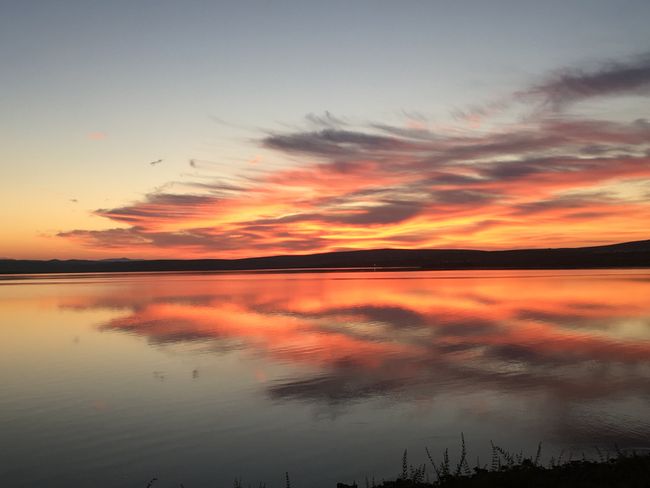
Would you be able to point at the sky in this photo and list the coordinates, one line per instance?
(160, 129)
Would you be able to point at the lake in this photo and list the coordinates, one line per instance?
(111, 380)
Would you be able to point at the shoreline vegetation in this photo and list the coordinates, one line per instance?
(624, 255)
(624, 469)
(617, 469)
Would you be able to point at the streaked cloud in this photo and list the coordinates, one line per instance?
(611, 78)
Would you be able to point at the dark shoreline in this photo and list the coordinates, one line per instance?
(625, 255)
(623, 471)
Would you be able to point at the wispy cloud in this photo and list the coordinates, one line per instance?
(326, 119)
(612, 78)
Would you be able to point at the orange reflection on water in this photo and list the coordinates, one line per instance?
(104, 367)
(289, 337)
(357, 334)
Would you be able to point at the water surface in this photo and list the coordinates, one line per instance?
(110, 380)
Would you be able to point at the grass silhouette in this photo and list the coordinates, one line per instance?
(512, 470)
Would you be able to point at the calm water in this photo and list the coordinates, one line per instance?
(108, 381)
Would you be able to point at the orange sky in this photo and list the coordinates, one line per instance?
(542, 167)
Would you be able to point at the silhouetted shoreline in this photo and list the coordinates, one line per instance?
(507, 470)
(623, 471)
(625, 255)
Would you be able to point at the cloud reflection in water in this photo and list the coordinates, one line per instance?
(570, 338)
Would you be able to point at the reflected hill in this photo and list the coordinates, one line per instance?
(623, 255)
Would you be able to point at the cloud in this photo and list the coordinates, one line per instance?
(326, 119)
(332, 142)
(387, 212)
(417, 133)
(109, 238)
(566, 202)
(612, 78)
(97, 136)
(159, 207)
(462, 197)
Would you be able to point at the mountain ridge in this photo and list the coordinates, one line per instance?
(625, 254)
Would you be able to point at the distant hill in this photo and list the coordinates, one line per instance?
(623, 255)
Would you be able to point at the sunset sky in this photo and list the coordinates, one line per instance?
(160, 129)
